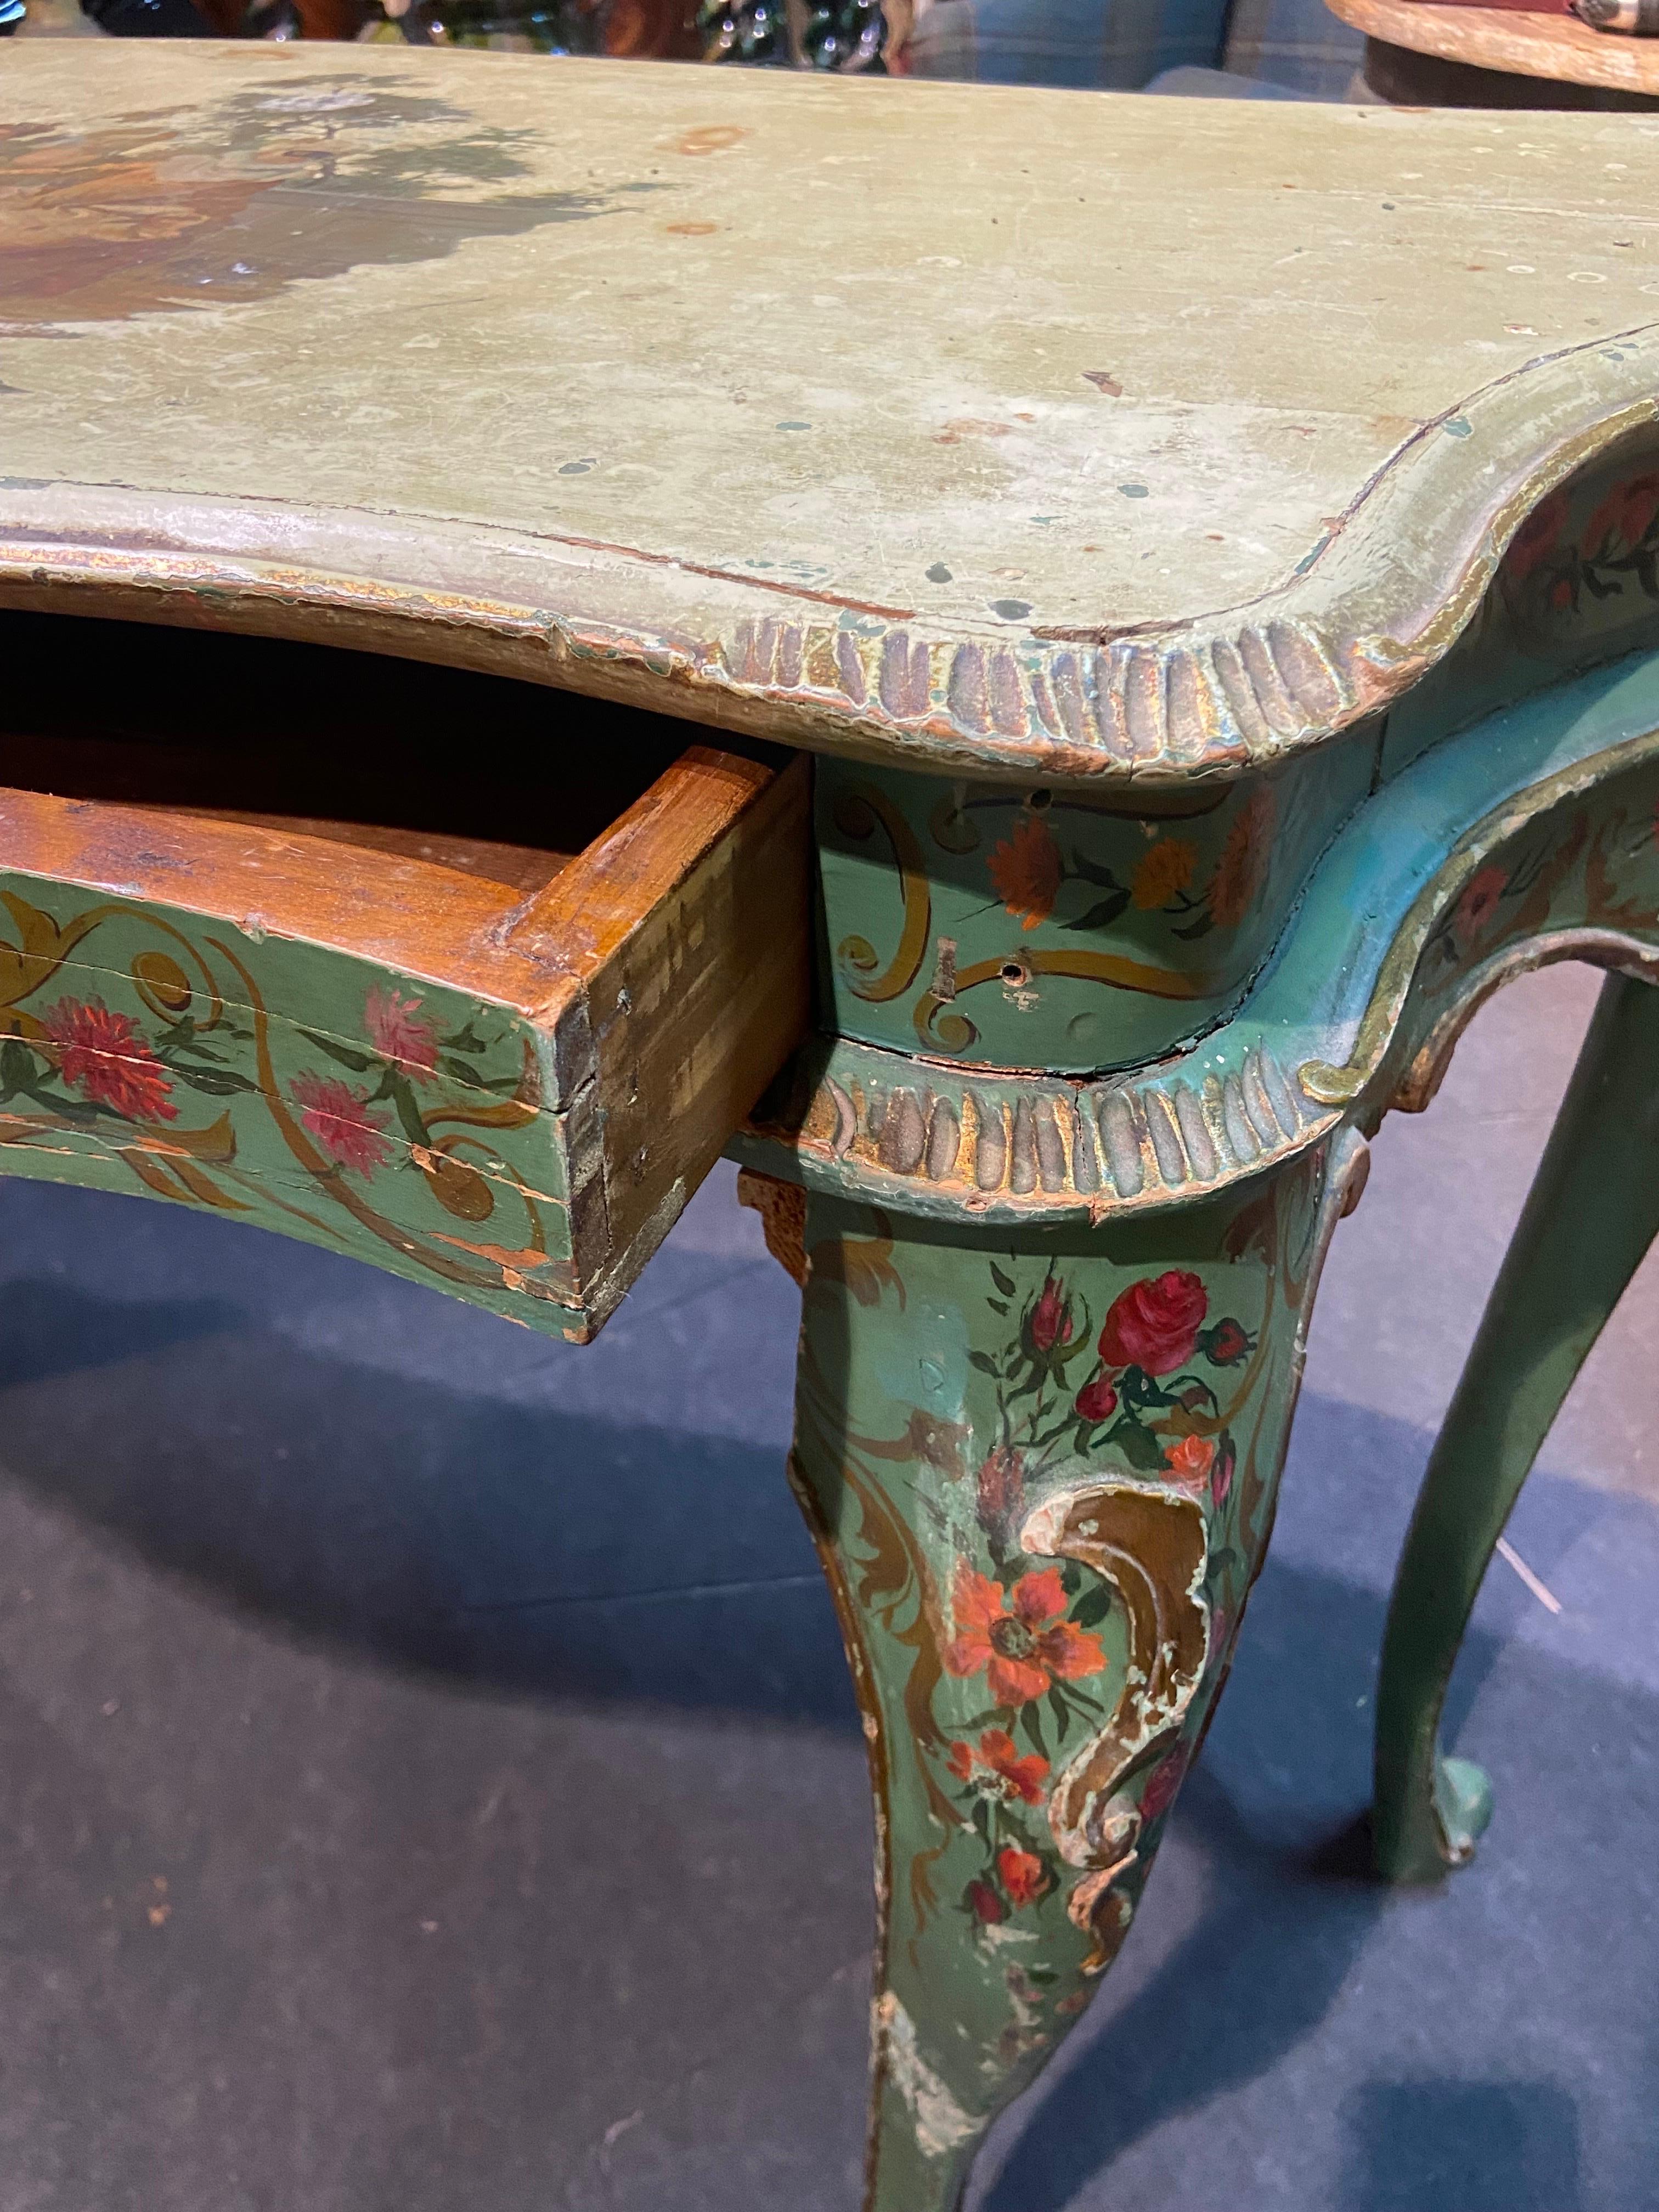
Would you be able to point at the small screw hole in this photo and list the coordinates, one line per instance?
(1039, 800)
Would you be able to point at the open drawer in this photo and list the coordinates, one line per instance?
(467, 977)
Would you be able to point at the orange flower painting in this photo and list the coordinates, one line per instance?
(1242, 867)
(1025, 870)
(1024, 1647)
(1188, 1459)
(1165, 871)
(998, 1766)
(1024, 1877)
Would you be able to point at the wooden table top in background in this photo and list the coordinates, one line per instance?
(837, 409)
(1555, 47)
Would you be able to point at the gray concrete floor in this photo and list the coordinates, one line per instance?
(429, 1781)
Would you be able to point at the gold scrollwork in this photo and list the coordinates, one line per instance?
(858, 813)
(330, 1178)
(955, 1032)
(1150, 1544)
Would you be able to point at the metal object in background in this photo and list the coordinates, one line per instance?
(813, 35)
(831, 34)
(1638, 19)
(147, 19)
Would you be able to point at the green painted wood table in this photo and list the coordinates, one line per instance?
(1022, 661)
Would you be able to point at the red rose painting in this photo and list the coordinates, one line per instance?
(1154, 1324)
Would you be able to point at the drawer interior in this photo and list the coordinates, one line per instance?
(500, 779)
(236, 846)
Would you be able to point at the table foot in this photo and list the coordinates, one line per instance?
(1591, 1214)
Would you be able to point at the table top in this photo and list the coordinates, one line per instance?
(977, 428)
(1556, 46)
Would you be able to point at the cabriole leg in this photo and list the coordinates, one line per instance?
(1592, 1213)
(1040, 1466)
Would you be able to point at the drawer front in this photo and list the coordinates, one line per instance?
(507, 1094)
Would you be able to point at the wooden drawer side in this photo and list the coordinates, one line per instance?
(510, 1099)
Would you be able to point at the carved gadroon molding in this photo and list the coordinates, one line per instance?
(1391, 947)
(1024, 1144)
(1382, 595)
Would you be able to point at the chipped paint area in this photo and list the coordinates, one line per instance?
(941, 2124)
(1041, 1552)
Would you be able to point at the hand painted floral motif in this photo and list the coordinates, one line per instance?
(1020, 927)
(1243, 868)
(1026, 871)
(1002, 1784)
(1164, 874)
(399, 1032)
(1151, 1332)
(1477, 909)
(1159, 1791)
(1535, 543)
(1001, 1488)
(1022, 1873)
(1500, 894)
(1028, 868)
(984, 1902)
(997, 1770)
(1221, 1469)
(1225, 1345)
(112, 1078)
(344, 1122)
(1155, 1323)
(1041, 1613)
(1097, 1400)
(1189, 1459)
(1586, 868)
(1051, 1320)
(1617, 544)
(1029, 1632)
(1625, 522)
(103, 1055)
(1020, 1639)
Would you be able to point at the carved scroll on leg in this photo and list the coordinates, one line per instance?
(782, 1210)
(1040, 1474)
(1150, 1545)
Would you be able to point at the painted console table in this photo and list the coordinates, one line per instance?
(1169, 596)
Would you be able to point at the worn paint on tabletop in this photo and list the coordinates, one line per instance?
(1221, 546)
(1137, 448)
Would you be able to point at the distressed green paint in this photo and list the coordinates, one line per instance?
(149, 1049)
(1321, 525)
(1579, 584)
(1042, 1475)
(956, 1213)
(1528, 836)
(1037, 927)
(1591, 1216)
(975, 1453)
